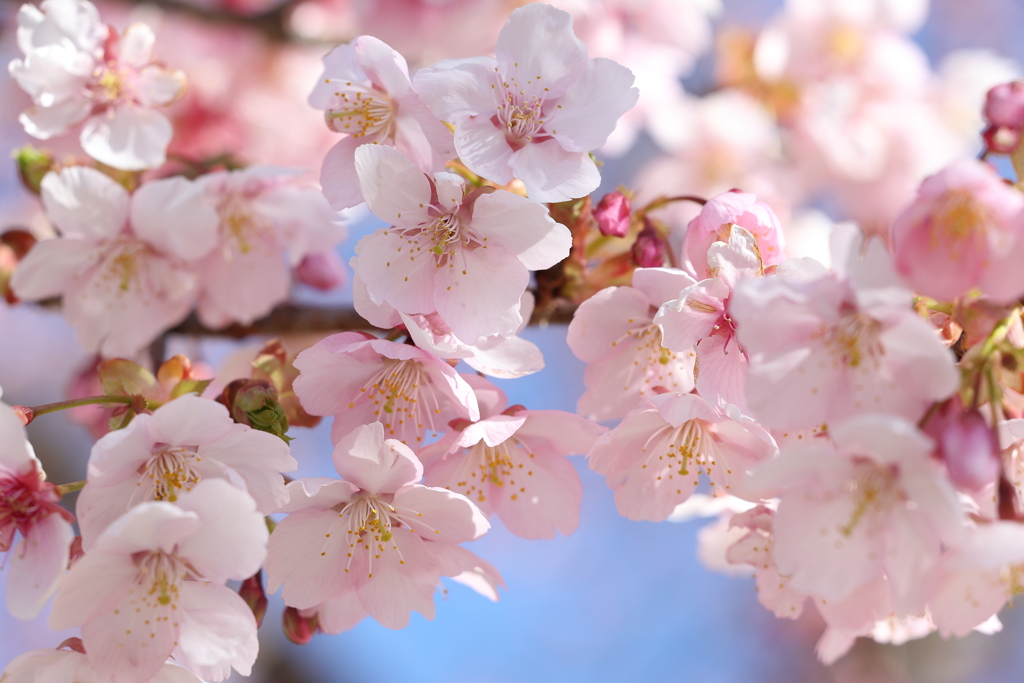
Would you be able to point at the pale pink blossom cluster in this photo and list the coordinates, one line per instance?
(854, 419)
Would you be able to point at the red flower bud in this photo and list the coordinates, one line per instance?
(971, 451)
(323, 271)
(649, 249)
(1004, 105)
(613, 214)
(297, 628)
(252, 592)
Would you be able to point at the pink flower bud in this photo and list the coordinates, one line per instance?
(323, 271)
(649, 249)
(1004, 105)
(971, 452)
(1000, 139)
(298, 628)
(252, 592)
(612, 215)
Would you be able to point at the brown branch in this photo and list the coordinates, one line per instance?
(293, 318)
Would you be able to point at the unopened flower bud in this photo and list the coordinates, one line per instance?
(649, 249)
(1004, 105)
(298, 628)
(33, 164)
(971, 452)
(14, 245)
(253, 402)
(323, 271)
(612, 215)
(1001, 140)
(252, 592)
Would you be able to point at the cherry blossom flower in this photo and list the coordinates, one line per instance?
(261, 215)
(824, 346)
(614, 332)
(868, 504)
(153, 587)
(977, 577)
(537, 110)
(654, 458)
(713, 223)
(164, 455)
(512, 463)
(28, 506)
(77, 69)
(378, 535)
(964, 230)
(700, 317)
(121, 262)
(466, 256)
(366, 94)
(45, 665)
(773, 589)
(359, 379)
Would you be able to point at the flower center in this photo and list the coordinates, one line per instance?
(371, 523)
(958, 219)
(24, 500)
(240, 227)
(507, 463)
(873, 490)
(653, 364)
(692, 450)
(110, 85)
(160, 574)
(361, 111)
(169, 470)
(403, 397)
(853, 339)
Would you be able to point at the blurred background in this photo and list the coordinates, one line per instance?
(828, 109)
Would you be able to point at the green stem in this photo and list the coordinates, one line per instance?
(937, 306)
(78, 402)
(65, 489)
(665, 201)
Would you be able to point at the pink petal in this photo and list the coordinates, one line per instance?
(482, 147)
(190, 421)
(551, 499)
(554, 174)
(243, 288)
(336, 616)
(231, 543)
(94, 586)
(594, 334)
(373, 464)
(440, 515)
(53, 266)
(128, 138)
(36, 564)
(83, 202)
(338, 176)
(173, 215)
(480, 296)
(216, 631)
(456, 90)
(394, 188)
(521, 227)
(385, 67)
(307, 554)
(129, 645)
(592, 105)
(394, 272)
(537, 43)
(258, 458)
(506, 357)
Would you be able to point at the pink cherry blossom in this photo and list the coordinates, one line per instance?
(121, 263)
(378, 535)
(366, 94)
(727, 209)
(46, 666)
(76, 69)
(654, 458)
(869, 503)
(28, 506)
(153, 587)
(262, 215)
(164, 455)
(465, 255)
(359, 379)
(824, 346)
(537, 110)
(773, 589)
(700, 316)
(512, 463)
(614, 332)
(977, 577)
(964, 230)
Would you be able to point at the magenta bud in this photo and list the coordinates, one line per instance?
(1004, 105)
(1000, 139)
(971, 451)
(612, 215)
(252, 592)
(323, 271)
(649, 249)
(298, 628)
